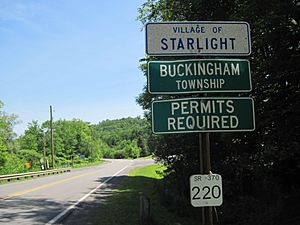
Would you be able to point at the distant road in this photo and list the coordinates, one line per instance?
(48, 199)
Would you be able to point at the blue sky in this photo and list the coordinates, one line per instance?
(79, 56)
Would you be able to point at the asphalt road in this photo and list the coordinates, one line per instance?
(50, 199)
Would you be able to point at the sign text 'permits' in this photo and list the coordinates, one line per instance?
(199, 75)
(207, 114)
(198, 38)
(206, 190)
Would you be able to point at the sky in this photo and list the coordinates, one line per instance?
(79, 56)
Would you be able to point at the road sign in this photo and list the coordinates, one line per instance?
(208, 114)
(198, 38)
(206, 190)
(200, 75)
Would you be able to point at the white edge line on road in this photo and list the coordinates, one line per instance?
(67, 210)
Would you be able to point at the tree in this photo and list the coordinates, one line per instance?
(7, 140)
(6, 131)
(126, 137)
(71, 138)
(257, 165)
(32, 138)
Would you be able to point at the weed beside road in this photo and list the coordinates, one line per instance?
(123, 206)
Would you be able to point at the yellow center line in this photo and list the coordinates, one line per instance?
(44, 186)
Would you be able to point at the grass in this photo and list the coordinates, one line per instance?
(152, 171)
(86, 164)
(146, 157)
(123, 206)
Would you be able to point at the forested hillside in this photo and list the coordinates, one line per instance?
(124, 138)
(75, 142)
(260, 169)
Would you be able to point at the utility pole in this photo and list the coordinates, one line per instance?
(52, 141)
(44, 146)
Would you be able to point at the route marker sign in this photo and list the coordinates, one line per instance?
(198, 76)
(206, 190)
(208, 114)
(214, 38)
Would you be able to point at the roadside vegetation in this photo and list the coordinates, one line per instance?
(124, 204)
(76, 143)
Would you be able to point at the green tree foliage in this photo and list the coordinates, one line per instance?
(73, 140)
(7, 144)
(125, 138)
(262, 166)
(31, 145)
(12, 164)
(31, 156)
(10, 161)
(32, 138)
(6, 131)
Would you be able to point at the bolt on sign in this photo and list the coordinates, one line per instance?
(226, 38)
(208, 114)
(199, 75)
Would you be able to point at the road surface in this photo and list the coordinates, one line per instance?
(50, 199)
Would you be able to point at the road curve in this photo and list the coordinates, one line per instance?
(48, 199)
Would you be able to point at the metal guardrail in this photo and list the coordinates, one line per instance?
(17, 176)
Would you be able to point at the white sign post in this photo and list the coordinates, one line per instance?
(206, 190)
(211, 38)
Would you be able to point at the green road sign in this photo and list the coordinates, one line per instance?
(208, 114)
(200, 75)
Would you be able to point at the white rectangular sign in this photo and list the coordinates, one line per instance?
(215, 38)
(206, 190)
